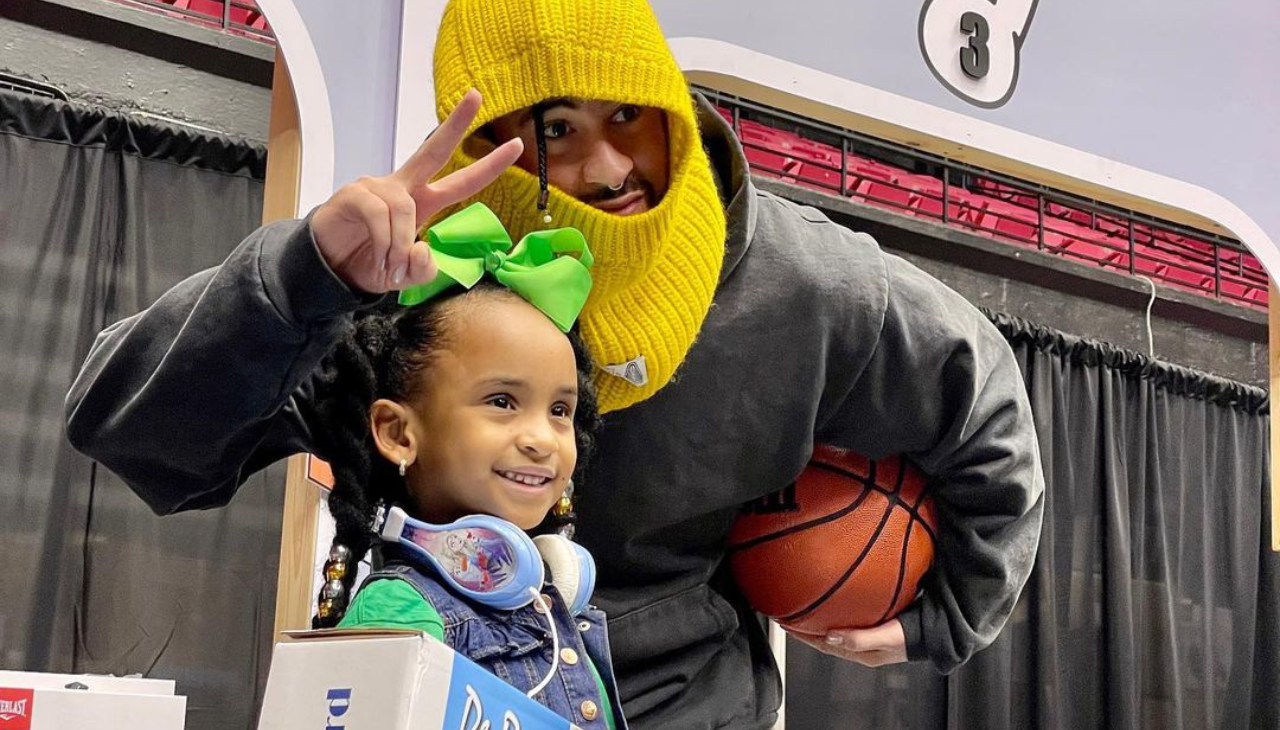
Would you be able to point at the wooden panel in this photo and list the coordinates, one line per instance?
(301, 497)
(296, 579)
(284, 150)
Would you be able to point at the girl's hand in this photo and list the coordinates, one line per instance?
(367, 231)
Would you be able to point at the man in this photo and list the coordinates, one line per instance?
(733, 330)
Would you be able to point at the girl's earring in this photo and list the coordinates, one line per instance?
(404, 465)
(565, 504)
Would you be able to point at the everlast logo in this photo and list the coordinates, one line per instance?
(9, 709)
(17, 705)
(339, 703)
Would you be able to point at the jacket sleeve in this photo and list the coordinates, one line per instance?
(210, 383)
(941, 385)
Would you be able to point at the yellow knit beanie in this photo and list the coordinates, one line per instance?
(655, 272)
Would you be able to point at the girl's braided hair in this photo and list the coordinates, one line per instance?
(382, 355)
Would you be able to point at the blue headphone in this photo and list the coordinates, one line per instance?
(493, 562)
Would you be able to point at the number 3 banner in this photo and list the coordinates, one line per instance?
(980, 62)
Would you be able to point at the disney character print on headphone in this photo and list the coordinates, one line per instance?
(493, 562)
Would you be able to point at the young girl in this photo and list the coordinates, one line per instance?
(472, 403)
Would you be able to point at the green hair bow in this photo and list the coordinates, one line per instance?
(547, 268)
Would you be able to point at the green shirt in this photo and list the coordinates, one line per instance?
(394, 604)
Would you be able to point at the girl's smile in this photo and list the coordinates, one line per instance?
(529, 476)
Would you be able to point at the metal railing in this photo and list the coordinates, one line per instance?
(11, 82)
(235, 16)
(846, 164)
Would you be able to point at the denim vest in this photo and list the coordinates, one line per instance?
(516, 645)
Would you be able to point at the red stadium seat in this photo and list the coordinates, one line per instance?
(1075, 215)
(1094, 253)
(884, 194)
(1006, 193)
(993, 188)
(818, 152)
(1174, 258)
(863, 167)
(1011, 221)
(963, 207)
(1242, 291)
(764, 161)
(1111, 226)
(1189, 279)
(972, 208)
(926, 198)
(816, 176)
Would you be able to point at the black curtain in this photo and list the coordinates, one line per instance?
(99, 215)
(1154, 602)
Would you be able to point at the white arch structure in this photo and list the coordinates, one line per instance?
(311, 94)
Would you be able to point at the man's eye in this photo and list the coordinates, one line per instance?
(627, 113)
(556, 129)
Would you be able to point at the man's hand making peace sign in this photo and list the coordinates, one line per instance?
(367, 232)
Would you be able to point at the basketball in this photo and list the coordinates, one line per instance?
(846, 546)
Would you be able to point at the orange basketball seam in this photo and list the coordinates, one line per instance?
(915, 517)
(912, 509)
(902, 572)
(866, 549)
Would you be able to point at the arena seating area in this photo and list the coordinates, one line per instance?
(1001, 209)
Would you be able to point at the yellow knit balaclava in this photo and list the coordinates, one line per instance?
(656, 272)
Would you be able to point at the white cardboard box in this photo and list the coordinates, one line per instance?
(40, 701)
(389, 680)
(91, 682)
